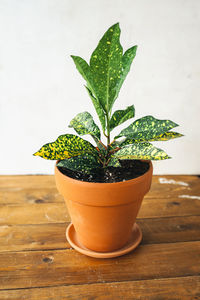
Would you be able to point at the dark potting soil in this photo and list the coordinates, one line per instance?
(129, 169)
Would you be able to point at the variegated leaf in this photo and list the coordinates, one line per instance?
(120, 116)
(127, 60)
(162, 137)
(83, 123)
(67, 145)
(147, 128)
(98, 108)
(166, 136)
(144, 151)
(114, 162)
(82, 163)
(107, 70)
(84, 69)
(106, 66)
(114, 144)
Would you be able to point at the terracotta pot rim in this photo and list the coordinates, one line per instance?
(126, 182)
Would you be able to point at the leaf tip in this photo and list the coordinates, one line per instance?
(36, 153)
(73, 57)
(114, 26)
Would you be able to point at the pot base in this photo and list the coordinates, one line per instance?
(134, 241)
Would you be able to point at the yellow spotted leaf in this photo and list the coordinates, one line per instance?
(83, 123)
(122, 115)
(66, 146)
(82, 163)
(145, 151)
(162, 137)
(147, 128)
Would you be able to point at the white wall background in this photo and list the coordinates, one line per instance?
(41, 90)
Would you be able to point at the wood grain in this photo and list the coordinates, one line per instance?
(36, 262)
(59, 267)
(170, 230)
(34, 214)
(52, 235)
(9, 182)
(33, 237)
(28, 196)
(33, 189)
(184, 288)
(42, 213)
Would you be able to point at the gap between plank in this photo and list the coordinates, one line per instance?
(72, 249)
(104, 282)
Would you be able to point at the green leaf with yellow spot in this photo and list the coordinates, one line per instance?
(114, 162)
(67, 145)
(144, 151)
(83, 123)
(166, 136)
(106, 66)
(162, 137)
(120, 116)
(84, 69)
(98, 108)
(127, 60)
(147, 128)
(107, 69)
(82, 163)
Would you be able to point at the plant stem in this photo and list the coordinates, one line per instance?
(108, 129)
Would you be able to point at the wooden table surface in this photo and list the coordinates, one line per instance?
(36, 261)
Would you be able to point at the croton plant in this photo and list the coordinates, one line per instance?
(104, 76)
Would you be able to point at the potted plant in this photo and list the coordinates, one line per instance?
(104, 184)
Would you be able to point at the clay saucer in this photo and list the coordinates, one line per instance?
(134, 241)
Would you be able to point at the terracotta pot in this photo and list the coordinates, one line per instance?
(103, 214)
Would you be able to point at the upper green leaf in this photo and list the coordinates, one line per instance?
(106, 66)
(83, 123)
(98, 108)
(107, 70)
(127, 59)
(145, 151)
(82, 163)
(120, 116)
(84, 69)
(66, 146)
(147, 128)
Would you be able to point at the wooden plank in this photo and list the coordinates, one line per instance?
(184, 288)
(30, 196)
(16, 182)
(34, 189)
(42, 213)
(61, 267)
(33, 237)
(8, 182)
(169, 207)
(52, 235)
(170, 230)
(39, 213)
(172, 186)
